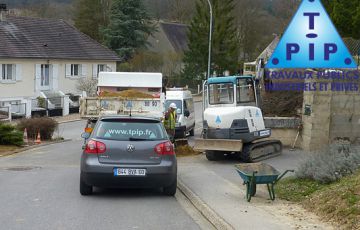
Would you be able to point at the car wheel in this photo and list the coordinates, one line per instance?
(85, 189)
(171, 189)
(192, 132)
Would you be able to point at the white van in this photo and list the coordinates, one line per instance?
(185, 110)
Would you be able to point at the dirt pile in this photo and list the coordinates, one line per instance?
(131, 93)
(185, 150)
(281, 103)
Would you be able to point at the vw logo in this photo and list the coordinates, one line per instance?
(130, 148)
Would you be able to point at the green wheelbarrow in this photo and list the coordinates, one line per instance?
(259, 173)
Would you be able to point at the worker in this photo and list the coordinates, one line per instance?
(170, 121)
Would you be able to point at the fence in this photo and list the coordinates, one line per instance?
(47, 103)
(5, 113)
(18, 110)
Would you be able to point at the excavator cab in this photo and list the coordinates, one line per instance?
(233, 122)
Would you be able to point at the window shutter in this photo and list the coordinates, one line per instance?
(37, 77)
(108, 68)
(95, 68)
(68, 70)
(18, 72)
(83, 70)
(55, 76)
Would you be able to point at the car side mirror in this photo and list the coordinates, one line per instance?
(85, 135)
(178, 111)
(186, 113)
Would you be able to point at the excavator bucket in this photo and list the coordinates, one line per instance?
(218, 145)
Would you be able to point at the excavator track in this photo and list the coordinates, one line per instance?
(258, 151)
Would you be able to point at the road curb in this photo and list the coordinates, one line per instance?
(33, 147)
(214, 218)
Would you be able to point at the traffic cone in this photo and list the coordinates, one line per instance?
(38, 139)
(25, 138)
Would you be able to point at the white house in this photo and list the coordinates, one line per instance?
(45, 58)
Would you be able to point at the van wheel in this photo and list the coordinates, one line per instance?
(192, 132)
(183, 134)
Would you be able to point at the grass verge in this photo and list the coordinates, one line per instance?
(337, 202)
(6, 149)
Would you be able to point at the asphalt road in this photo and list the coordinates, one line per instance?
(40, 190)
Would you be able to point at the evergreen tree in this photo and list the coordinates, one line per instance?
(91, 16)
(225, 44)
(356, 23)
(346, 16)
(129, 27)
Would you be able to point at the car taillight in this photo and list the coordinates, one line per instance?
(95, 147)
(166, 148)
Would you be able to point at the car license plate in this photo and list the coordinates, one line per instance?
(129, 172)
(264, 133)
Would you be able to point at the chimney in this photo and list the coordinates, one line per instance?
(3, 10)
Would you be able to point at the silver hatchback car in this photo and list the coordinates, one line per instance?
(128, 152)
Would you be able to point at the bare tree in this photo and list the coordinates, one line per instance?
(88, 85)
(181, 10)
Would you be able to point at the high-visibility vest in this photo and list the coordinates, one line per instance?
(169, 123)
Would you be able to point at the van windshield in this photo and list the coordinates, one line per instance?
(178, 105)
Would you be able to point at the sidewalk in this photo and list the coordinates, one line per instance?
(220, 188)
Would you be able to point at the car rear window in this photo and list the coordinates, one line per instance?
(130, 130)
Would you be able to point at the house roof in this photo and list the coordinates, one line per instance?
(25, 37)
(169, 37)
(176, 34)
(269, 50)
(353, 46)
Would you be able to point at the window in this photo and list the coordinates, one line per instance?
(45, 75)
(178, 105)
(245, 91)
(101, 68)
(124, 130)
(97, 68)
(221, 94)
(189, 105)
(75, 70)
(8, 72)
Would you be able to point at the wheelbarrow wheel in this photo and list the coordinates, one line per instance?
(250, 190)
(253, 190)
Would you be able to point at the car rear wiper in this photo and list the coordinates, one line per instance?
(137, 139)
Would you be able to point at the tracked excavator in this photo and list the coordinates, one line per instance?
(233, 124)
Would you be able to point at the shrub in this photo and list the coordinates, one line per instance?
(9, 135)
(45, 125)
(41, 102)
(331, 164)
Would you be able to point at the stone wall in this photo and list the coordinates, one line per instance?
(329, 116)
(284, 129)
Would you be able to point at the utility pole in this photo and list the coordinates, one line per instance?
(210, 39)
